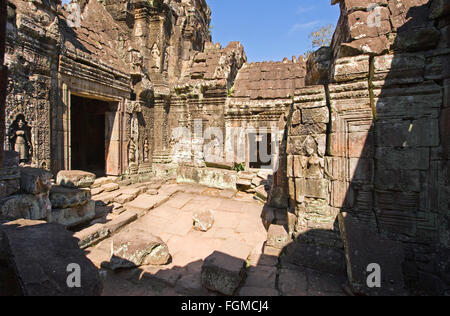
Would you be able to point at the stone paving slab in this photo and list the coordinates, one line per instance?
(144, 203)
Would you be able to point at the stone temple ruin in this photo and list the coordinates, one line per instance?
(358, 137)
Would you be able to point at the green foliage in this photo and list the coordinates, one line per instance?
(230, 91)
(239, 166)
(322, 36)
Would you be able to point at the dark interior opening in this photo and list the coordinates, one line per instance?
(260, 150)
(88, 135)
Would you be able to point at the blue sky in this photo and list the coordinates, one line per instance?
(270, 30)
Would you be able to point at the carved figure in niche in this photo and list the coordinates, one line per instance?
(19, 135)
(314, 165)
(156, 54)
(166, 59)
(146, 150)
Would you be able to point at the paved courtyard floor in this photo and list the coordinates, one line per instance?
(238, 231)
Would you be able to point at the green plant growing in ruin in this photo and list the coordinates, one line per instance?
(320, 37)
(239, 166)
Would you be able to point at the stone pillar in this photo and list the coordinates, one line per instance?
(3, 75)
(162, 135)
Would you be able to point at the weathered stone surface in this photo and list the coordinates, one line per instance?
(223, 273)
(243, 184)
(109, 187)
(51, 248)
(75, 179)
(364, 247)
(35, 181)
(262, 192)
(73, 216)
(203, 221)
(26, 206)
(96, 233)
(145, 202)
(350, 68)
(293, 282)
(316, 257)
(62, 197)
(138, 248)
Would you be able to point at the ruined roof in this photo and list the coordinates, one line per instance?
(215, 65)
(270, 80)
(99, 37)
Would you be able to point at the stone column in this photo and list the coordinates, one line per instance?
(162, 135)
(3, 75)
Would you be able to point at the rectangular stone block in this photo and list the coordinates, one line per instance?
(308, 129)
(401, 133)
(351, 68)
(400, 69)
(74, 216)
(335, 167)
(361, 170)
(300, 189)
(341, 195)
(300, 165)
(316, 188)
(315, 115)
(398, 180)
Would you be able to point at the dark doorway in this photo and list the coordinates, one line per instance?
(260, 150)
(88, 134)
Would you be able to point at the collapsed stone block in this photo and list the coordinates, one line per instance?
(223, 273)
(35, 181)
(62, 197)
(73, 216)
(138, 248)
(75, 179)
(26, 206)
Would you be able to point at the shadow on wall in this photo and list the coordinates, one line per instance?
(398, 191)
(395, 209)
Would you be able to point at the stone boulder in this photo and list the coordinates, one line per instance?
(138, 248)
(26, 206)
(203, 221)
(75, 179)
(62, 197)
(223, 273)
(43, 256)
(35, 181)
(73, 216)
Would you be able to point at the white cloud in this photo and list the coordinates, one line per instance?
(301, 10)
(304, 26)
